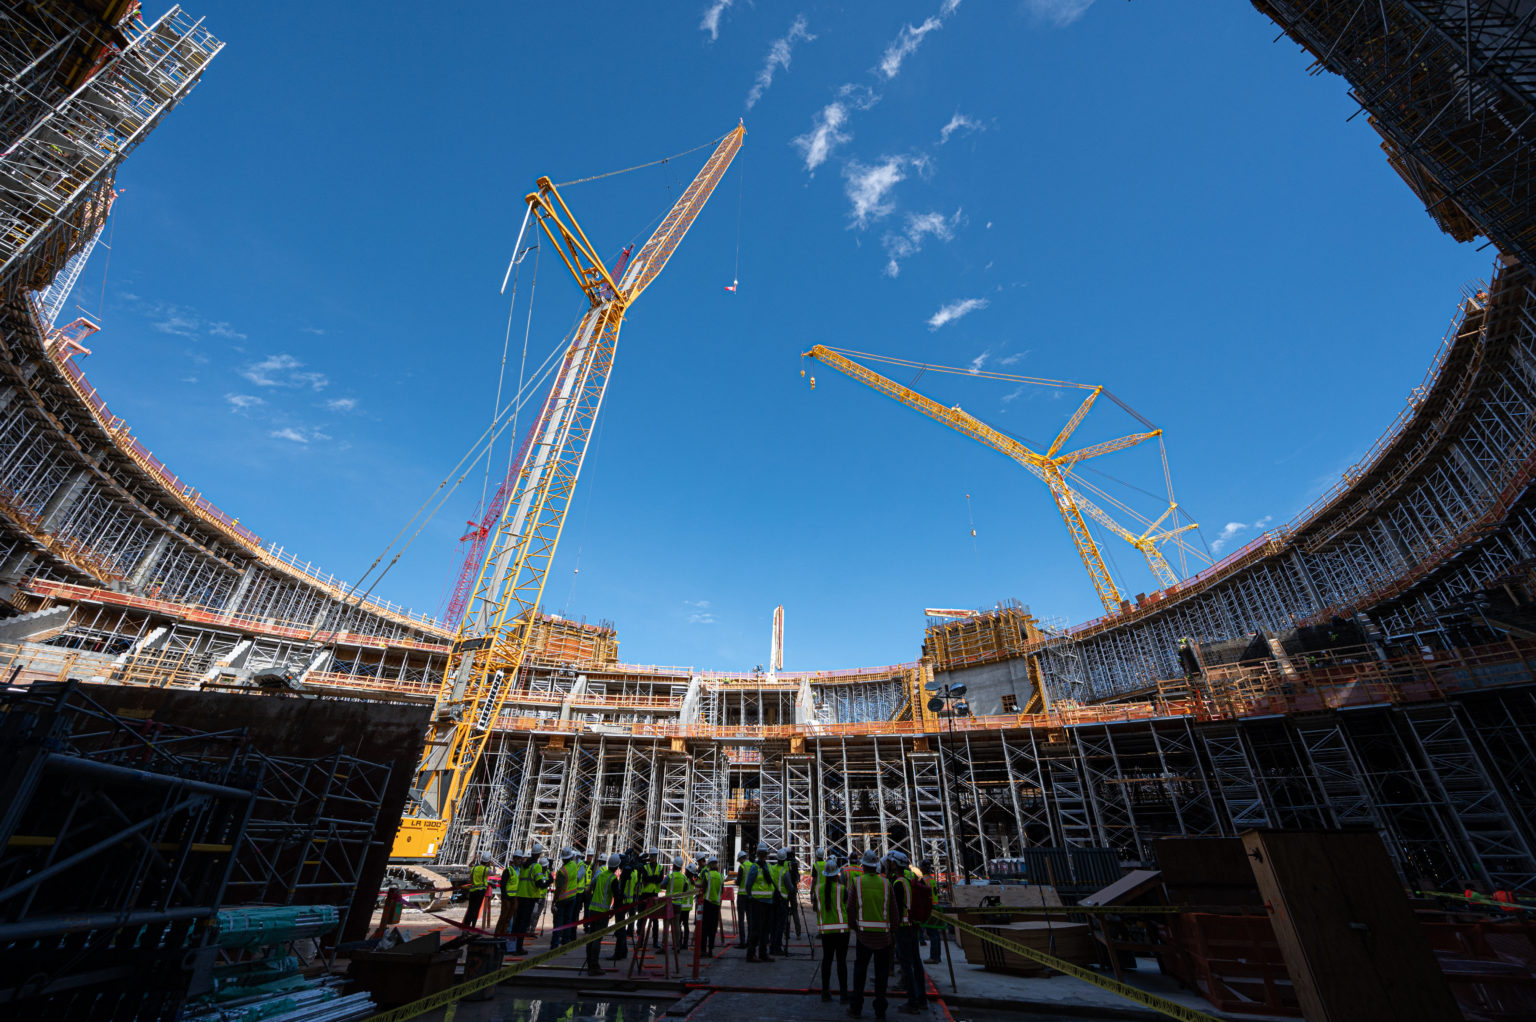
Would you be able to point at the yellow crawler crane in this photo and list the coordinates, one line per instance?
(1052, 468)
(494, 636)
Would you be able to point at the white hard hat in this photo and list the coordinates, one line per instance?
(485, 856)
(821, 853)
(567, 854)
(614, 860)
(713, 860)
(691, 868)
(871, 857)
(762, 846)
(677, 862)
(538, 849)
(783, 855)
(740, 856)
(654, 851)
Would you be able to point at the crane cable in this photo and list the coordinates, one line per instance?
(741, 187)
(448, 485)
(642, 166)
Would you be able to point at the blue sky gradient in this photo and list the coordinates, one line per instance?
(301, 313)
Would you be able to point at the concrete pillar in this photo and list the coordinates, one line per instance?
(54, 507)
(148, 561)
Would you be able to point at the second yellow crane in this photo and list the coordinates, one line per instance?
(1052, 467)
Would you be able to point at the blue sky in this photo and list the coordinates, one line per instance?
(301, 313)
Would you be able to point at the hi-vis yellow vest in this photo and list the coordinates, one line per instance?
(831, 911)
(870, 901)
(760, 882)
(680, 887)
(602, 890)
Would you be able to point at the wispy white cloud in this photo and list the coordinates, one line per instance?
(178, 321)
(283, 371)
(1017, 356)
(778, 56)
(1058, 14)
(242, 402)
(1232, 530)
(342, 404)
(711, 20)
(298, 436)
(826, 134)
(954, 310)
(909, 241)
(959, 122)
(184, 321)
(1015, 394)
(911, 37)
(905, 44)
(700, 613)
(318, 331)
(979, 361)
(869, 188)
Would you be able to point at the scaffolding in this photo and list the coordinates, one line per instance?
(56, 176)
(1002, 633)
(123, 838)
(1451, 87)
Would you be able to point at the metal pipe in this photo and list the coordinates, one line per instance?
(113, 772)
(63, 864)
(44, 926)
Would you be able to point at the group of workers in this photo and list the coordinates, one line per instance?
(592, 892)
(884, 907)
(880, 905)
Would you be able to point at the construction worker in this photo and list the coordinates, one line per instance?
(777, 924)
(651, 880)
(509, 879)
(903, 882)
(600, 900)
(742, 901)
(761, 884)
(712, 883)
(831, 903)
(531, 881)
(818, 865)
(680, 890)
(479, 880)
(934, 934)
(567, 898)
(791, 888)
(869, 918)
(628, 894)
(589, 875)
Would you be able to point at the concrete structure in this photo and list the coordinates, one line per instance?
(1392, 684)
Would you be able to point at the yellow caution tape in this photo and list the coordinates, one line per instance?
(1159, 1004)
(1064, 910)
(456, 993)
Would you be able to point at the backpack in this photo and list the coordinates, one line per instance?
(921, 909)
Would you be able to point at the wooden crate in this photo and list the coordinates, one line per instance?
(1234, 961)
(1070, 941)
